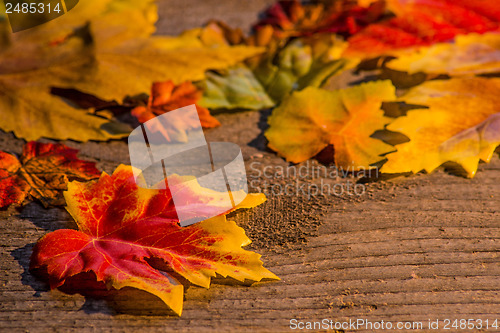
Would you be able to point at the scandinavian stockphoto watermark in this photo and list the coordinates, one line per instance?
(170, 151)
(309, 179)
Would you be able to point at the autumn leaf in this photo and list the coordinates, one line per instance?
(263, 80)
(166, 96)
(469, 54)
(104, 56)
(123, 227)
(144, 13)
(27, 70)
(303, 62)
(235, 87)
(219, 33)
(423, 23)
(460, 124)
(32, 62)
(292, 19)
(309, 120)
(41, 173)
(129, 67)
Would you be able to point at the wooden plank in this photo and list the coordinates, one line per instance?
(414, 249)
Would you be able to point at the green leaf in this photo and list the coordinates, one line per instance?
(302, 63)
(235, 88)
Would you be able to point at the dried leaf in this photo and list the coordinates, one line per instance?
(469, 54)
(292, 19)
(235, 88)
(460, 125)
(27, 70)
(422, 23)
(303, 62)
(219, 33)
(42, 173)
(39, 58)
(216, 34)
(122, 227)
(309, 120)
(129, 67)
(106, 57)
(144, 13)
(166, 96)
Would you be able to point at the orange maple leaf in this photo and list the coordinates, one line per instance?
(166, 96)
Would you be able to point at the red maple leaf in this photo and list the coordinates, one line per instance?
(346, 17)
(42, 173)
(122, 227)
(424, 22)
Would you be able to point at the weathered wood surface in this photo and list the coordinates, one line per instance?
(417, 248)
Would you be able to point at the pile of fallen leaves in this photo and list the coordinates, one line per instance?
(405, 85)
(432, 77)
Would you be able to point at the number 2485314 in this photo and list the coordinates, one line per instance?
(32, 8)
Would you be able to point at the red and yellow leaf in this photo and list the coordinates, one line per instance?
(42, 173)
(423, 23)
(122, 226)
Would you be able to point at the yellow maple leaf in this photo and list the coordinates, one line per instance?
(142, 13)
(129, 68)
(460, 125)
(95, 49)
(27, 107)
(469, 54)
(309, 120)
